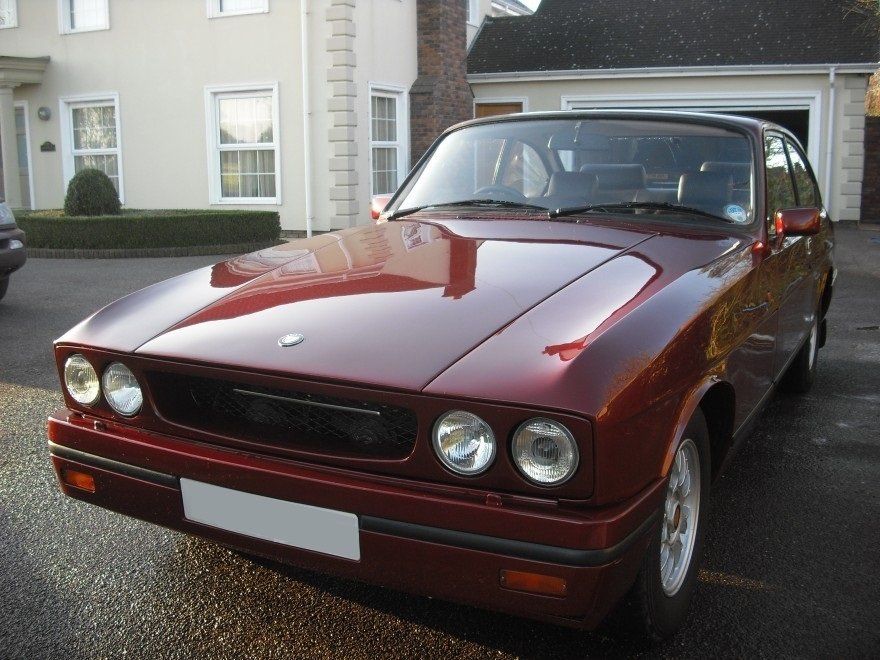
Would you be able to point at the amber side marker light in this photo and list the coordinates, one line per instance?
(78, 479)
(533, 583)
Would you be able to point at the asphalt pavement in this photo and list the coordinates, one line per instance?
(792, 564)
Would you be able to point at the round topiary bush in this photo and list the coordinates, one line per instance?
(91, 192)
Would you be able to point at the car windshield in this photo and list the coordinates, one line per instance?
(575, 166)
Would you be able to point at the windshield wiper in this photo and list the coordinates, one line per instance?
(655, 206)
(467, 202)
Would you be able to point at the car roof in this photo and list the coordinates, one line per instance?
(750, 124)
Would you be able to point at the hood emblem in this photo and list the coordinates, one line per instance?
(292, 339)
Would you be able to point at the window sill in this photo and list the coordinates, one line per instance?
(81, 30)
(246, 201)
(8, 27)
(230, 14)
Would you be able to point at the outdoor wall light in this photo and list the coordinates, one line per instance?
(44, 113)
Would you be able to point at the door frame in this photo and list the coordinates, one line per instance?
(489, 100)
(27, 145)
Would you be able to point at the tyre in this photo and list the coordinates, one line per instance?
(801, 373)
(4, 284)
(658, 601)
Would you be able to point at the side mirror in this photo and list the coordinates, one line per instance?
(799, 222)
(378, 204)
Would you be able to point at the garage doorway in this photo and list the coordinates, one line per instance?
(799, 112)
(797, 121)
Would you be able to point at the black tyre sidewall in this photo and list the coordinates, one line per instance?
(800, 375)
(4, 284)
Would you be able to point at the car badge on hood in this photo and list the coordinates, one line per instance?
(292, 339)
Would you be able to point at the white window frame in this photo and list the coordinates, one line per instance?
(215, 12)
(64, 19)
(398, 93)
(66, 107)
(13, 9)
(212, 122)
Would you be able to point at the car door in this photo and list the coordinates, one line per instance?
(788, 271)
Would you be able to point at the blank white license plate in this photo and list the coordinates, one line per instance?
(290, 523)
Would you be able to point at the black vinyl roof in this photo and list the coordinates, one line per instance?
(621, 34)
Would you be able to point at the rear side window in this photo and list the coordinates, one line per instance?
(808, 193)
(780, 189)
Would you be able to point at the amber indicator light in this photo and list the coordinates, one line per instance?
(533, 583)
(78, 479)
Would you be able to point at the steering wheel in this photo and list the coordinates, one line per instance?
(503, 193)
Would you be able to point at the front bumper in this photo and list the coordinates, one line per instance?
(11, 259)
(423, 539)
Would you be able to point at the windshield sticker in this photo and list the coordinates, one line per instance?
(736, 213)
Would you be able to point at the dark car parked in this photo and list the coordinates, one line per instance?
(12, 247)
(515, 390)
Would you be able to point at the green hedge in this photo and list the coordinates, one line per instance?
(147, 229)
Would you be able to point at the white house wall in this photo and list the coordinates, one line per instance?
(159, 57)
(709, 91)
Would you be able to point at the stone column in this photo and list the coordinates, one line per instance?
(341, 106)
(9, 144)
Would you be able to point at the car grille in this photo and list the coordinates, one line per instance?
(285, 420)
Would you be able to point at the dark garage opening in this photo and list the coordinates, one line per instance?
(797, 121)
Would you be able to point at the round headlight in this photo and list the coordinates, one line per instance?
(81, 380)
(122, 390)
(464, 442)
(545, 452)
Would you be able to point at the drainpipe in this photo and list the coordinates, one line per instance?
(307, 114)
(829, 152)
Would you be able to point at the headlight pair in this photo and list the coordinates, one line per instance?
(544, 451)
(120, 387)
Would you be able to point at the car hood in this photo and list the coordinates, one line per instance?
(392, 305)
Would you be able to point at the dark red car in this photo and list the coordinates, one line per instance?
(513, 391)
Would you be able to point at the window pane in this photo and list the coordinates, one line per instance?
(7, 13)
(86, 14)
(384, 119)
(806, 187)
(108, 164)
(247, 173)
(241, 5)
(780, 191)
(384, 170)
(94, 127)
(246, 120)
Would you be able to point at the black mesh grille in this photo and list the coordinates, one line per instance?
(285, 419)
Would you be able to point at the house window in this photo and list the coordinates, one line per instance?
(473, 9)
(244, 139)
(387, 154)
(83, 15)
(8, 14)
(220, 8)
(91, 138)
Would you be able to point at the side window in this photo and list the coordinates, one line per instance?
(525, 171)
(808, 192)
(780, 189)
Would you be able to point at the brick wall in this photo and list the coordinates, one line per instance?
(440, 95)
(871, 181)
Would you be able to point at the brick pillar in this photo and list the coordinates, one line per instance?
(440, 95)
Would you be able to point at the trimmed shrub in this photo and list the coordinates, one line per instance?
(91, 192)
(135, 229)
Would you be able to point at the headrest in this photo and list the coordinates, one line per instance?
(741, 172)
(617, 177)
(702, 188)
(572, 184)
